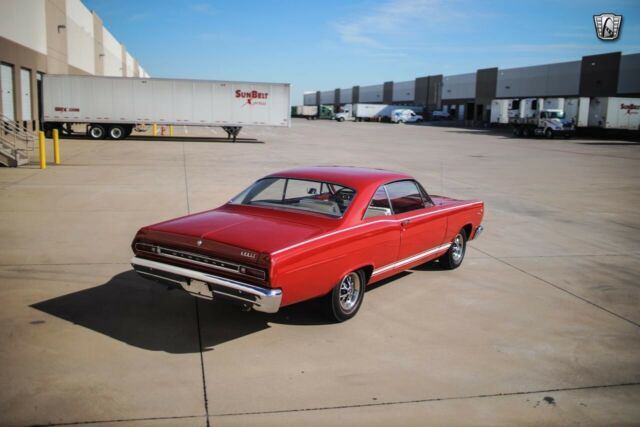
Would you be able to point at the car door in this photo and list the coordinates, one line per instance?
(384, 236)
(421, 228)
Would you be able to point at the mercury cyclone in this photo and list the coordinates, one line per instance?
(300, 234)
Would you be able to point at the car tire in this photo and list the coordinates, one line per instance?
(340, 119)
(117, 132)
(97, 132)
(455, 255)
(548, 133)
(345, 299)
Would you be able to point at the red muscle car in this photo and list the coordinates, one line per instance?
(306, 233)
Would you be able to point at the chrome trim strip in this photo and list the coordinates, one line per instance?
(478, 232)
(267, 299)
(410, 259)
(204, 264)
(374, 222)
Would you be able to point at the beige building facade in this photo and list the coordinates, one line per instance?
(40, 37)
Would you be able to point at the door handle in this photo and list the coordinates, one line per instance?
(405, 222)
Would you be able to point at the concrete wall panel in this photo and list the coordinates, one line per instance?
(404, 91)
(326, 97)
(310, 98)
(629, 76)
(80, 42)
(130, 65)
(560, 79)
(373, 94)
(24, 22)
(112, 60)
(461, 86)
(345, 96)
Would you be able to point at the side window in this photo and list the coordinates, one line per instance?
(405, 196)
(379, 205)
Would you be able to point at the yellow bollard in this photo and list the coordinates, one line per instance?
(56, 147)
(154, 129)
(170, 130)
(43, 153)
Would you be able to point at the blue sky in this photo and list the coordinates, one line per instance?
(328, 44)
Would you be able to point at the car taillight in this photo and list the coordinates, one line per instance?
(254, 272)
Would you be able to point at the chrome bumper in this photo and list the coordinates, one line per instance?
(205, 285)
(478, 231)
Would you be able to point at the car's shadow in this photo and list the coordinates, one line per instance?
(148, 315)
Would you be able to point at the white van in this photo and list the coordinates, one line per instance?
(405, 116)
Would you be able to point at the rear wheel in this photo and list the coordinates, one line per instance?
(516, 132)
(526, 132)
(117, 132)
(344, 301)
(97, 132)
(454, 256)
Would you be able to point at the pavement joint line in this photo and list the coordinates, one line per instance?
(186, 179)
(123, 420)
(11, 184)
(204, 379)
(561, 289)
(427, 400)
(626, 254)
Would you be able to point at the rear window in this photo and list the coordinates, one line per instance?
(288, 193)
(405, 196)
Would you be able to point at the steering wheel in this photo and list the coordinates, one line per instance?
(342, 195)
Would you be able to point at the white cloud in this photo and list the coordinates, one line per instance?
(392, 19)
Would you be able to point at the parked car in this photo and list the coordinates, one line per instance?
(306, 233)
(440, 115)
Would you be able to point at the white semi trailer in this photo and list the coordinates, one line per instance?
(615, 113)
(114, 106)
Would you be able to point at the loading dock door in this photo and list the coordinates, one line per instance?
(25, 89)
(6, 83)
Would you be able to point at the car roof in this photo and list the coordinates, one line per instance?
(357, 178)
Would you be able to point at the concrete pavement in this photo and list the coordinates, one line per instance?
(539, 326)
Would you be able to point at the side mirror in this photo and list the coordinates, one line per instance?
(312, 191)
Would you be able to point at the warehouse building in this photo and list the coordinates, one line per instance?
(56, 37)
(468, 96)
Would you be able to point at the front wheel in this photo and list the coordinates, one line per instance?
(344, 301)
(454, 256)
(548, 133)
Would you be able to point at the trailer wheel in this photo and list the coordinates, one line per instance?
(517, 132)
(548, 133)
(526, 133)
(117, 132)
(97, 132)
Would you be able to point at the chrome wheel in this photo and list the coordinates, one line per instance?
(96, 132)
(350, 289)
(457, 248)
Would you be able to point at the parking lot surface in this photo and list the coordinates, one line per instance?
(540, 325)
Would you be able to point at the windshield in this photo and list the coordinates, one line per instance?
(299, 194)
(554, 114)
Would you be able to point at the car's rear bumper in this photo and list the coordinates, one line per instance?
(478, 231)
(207, 286)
